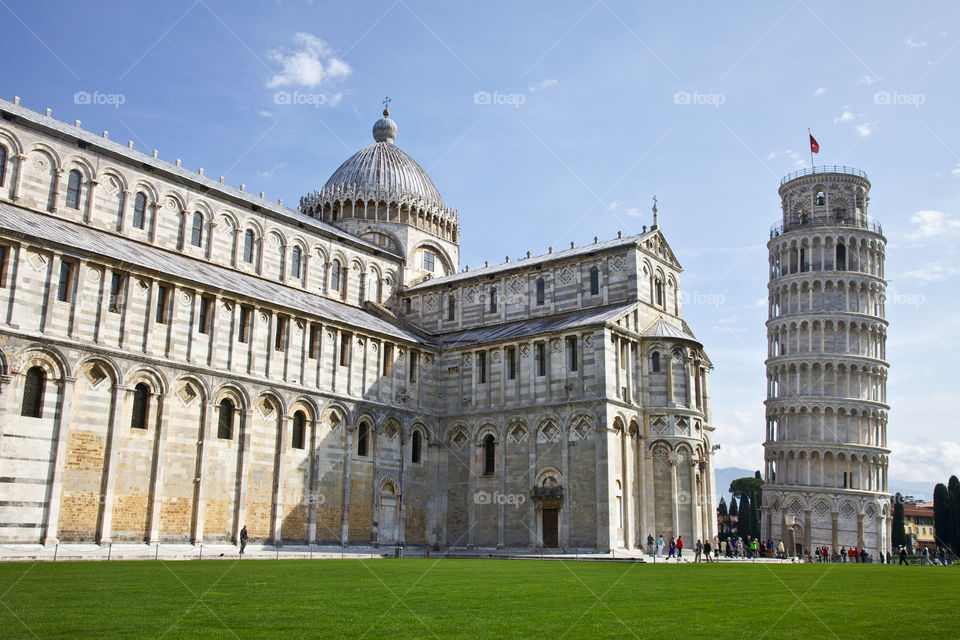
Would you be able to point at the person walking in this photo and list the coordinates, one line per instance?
(679, 548)
(754, 548)
(699, 551)
(673, 549)
(660, 546)
(707, 548)
(781, 552)
(243, 539)
(903, 555)
(716, 548)
(649, 545)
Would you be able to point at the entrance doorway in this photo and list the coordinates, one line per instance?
(387, 525)
(551, 528)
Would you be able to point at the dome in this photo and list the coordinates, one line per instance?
(384, 168)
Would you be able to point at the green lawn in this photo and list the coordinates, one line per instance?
(474, 599)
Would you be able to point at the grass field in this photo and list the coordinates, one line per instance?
(474, 599)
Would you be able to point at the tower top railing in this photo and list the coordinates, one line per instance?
(809, 171)
(857, 222)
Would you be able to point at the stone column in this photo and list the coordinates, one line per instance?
(154, 218)
(279, 475)
(121, 222)
(835, 534)
(156, 480)
(203, 445)
(55, 190)
(245, 420)
(108, 489)
(405, 448)
(88, 208)
(695, 520)
(641, 449)
(18, 183)
(314, 486)
(675, 515)
(345, 503)
(62, 426)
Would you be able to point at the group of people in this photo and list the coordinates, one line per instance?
(852, 554)
(711, 550)
(938, 556)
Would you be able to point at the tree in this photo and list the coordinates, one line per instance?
(745, 519)
(897, 536)
(953, 488)
(722, 509)
(733, 505)
(942, 515)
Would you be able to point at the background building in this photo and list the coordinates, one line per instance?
(826, 433)
(180, 358)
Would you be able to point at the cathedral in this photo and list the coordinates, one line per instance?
(180, 358)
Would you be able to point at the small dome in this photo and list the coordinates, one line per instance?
(384, 167)
(385, 129)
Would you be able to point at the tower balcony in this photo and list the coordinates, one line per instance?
(809, 171)
(854, 222)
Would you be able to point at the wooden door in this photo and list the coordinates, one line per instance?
(550, 528)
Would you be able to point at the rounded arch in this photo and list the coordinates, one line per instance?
(112, 172)
(147, 374)
(226, 216)
(147, 188)
(104, 362)
(441, 254)
(49, 358)
(271, 401)
(45, 149)
(77, 161)
(548, 477)
(305, 404)
(485, 429)
(201, 205)
(177, 199)
(239, 395)
(11, 140)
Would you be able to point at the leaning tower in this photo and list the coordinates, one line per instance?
(826, 413)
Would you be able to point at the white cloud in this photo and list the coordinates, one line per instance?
(820, 91)
(265, 113)
(956, 171)
(933, 272)
(309, 63)
(913, 44)
(269, 173)
(619, 207)
(846, 116)
(933, 224)
(867, 79)
(787, 153)
(864, 129)
(544, 84)
(924, 462)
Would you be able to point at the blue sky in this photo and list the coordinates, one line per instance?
(545, 123)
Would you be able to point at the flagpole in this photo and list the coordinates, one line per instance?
(810, 135)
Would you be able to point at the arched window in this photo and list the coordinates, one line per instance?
(489, 455)
(141, 406)
(451, 307)
(841, 262)
(658, 292)
(655, 362)
(363, 437)
(33, 387)
(3, 165)
(248, 246)
(225, 423)
(541, 291)
(73, 190)
(416, 447)
(139, 210)
(493, 299)
(196, 233)
(594, 281)
(335, 276)
(299, 430)
(296, 258)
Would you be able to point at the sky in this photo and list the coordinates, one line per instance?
(546, 123)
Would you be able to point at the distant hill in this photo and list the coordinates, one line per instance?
(727, 475)
(921, 490)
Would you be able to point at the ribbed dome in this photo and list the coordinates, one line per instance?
(385, 167)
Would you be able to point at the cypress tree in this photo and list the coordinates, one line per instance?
(897, 535)
(733, 505)
(942, 515)
(953, 488)
(744, 520)
(722, 509)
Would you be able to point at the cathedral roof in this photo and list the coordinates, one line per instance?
(85, 240)
(383, 170)
(660, 328)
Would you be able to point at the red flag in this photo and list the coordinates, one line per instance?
(814, 146)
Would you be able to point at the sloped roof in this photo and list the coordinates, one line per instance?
(522, 328)
(660, 328)
(523, 263)
(84, 240)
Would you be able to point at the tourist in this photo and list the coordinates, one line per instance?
(843, 554)
(754, 549)
(723, 548)
(716, 548)
(903, 556)
(679, 548)
(649, 544)
(925, 558)
(660, 546)
(781, 552)
(243, 538)
(699, 551)
(707, 548)
(673, 549)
